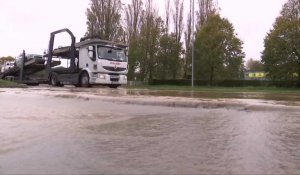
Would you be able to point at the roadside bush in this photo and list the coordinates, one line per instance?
(226, 83)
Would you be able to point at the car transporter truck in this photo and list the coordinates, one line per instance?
(92, 61)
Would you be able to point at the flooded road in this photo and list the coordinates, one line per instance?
(103, 131)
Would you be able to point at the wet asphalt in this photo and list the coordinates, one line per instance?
(46, 130)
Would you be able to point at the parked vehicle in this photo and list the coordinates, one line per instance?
(7, 65)
(38, 59)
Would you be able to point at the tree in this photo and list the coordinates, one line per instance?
(188, 45)
(4, 59)
(174, 40)
(291, 10)
(134, 16)
(218, 51)
(168, 55)
(148, 42)
(281, 55)
(206, 8)
(178, 19)
(145, 30)
(254, 65)
(167, 15)
(104, 19)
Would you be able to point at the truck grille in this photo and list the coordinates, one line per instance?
(114, 69)
(114, 78)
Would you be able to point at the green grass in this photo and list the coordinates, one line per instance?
(10, 84)
(220, 89)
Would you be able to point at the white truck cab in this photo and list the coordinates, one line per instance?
(105, 62)
(7, 65)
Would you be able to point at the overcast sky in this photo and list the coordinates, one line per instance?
(28, 24)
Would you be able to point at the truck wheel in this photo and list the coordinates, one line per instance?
(85, 80)
(53, 80)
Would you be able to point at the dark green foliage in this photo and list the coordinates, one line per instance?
(168, 63)
(104, 19)
(10, 84)
(153, 51)
(254, 65)
(227, 83)
(218, 51)
(134, 16)
(281, 56)
(156, 52)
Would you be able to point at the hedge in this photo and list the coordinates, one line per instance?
(226, 83)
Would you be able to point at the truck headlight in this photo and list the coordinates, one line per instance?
(125, 77)
(101, 76)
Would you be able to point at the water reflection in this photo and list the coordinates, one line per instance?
(210, 142)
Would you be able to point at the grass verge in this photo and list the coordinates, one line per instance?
(10, 84)
(220, 89)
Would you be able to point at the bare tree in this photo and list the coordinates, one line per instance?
(188, 43)
(291, 10)
(206, 8)
(104, 19)
(168, 11)
(134, 18)
(178, 19)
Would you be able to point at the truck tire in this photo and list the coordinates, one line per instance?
(85, 80)
(53, 80)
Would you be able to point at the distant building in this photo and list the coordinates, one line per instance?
(255, 75)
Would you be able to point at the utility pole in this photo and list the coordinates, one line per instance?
(192, 4)
(22, 69)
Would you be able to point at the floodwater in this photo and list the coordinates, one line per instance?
(217, 95)
(101, 131)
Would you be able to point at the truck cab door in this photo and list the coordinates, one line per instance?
(92, 57)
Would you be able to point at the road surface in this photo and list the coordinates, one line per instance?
(102, 131)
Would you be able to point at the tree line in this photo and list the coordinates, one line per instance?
(160, 47)
(281, 56)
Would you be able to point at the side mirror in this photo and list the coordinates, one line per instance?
(92, 52)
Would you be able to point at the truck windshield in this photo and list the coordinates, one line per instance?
(114, 54)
